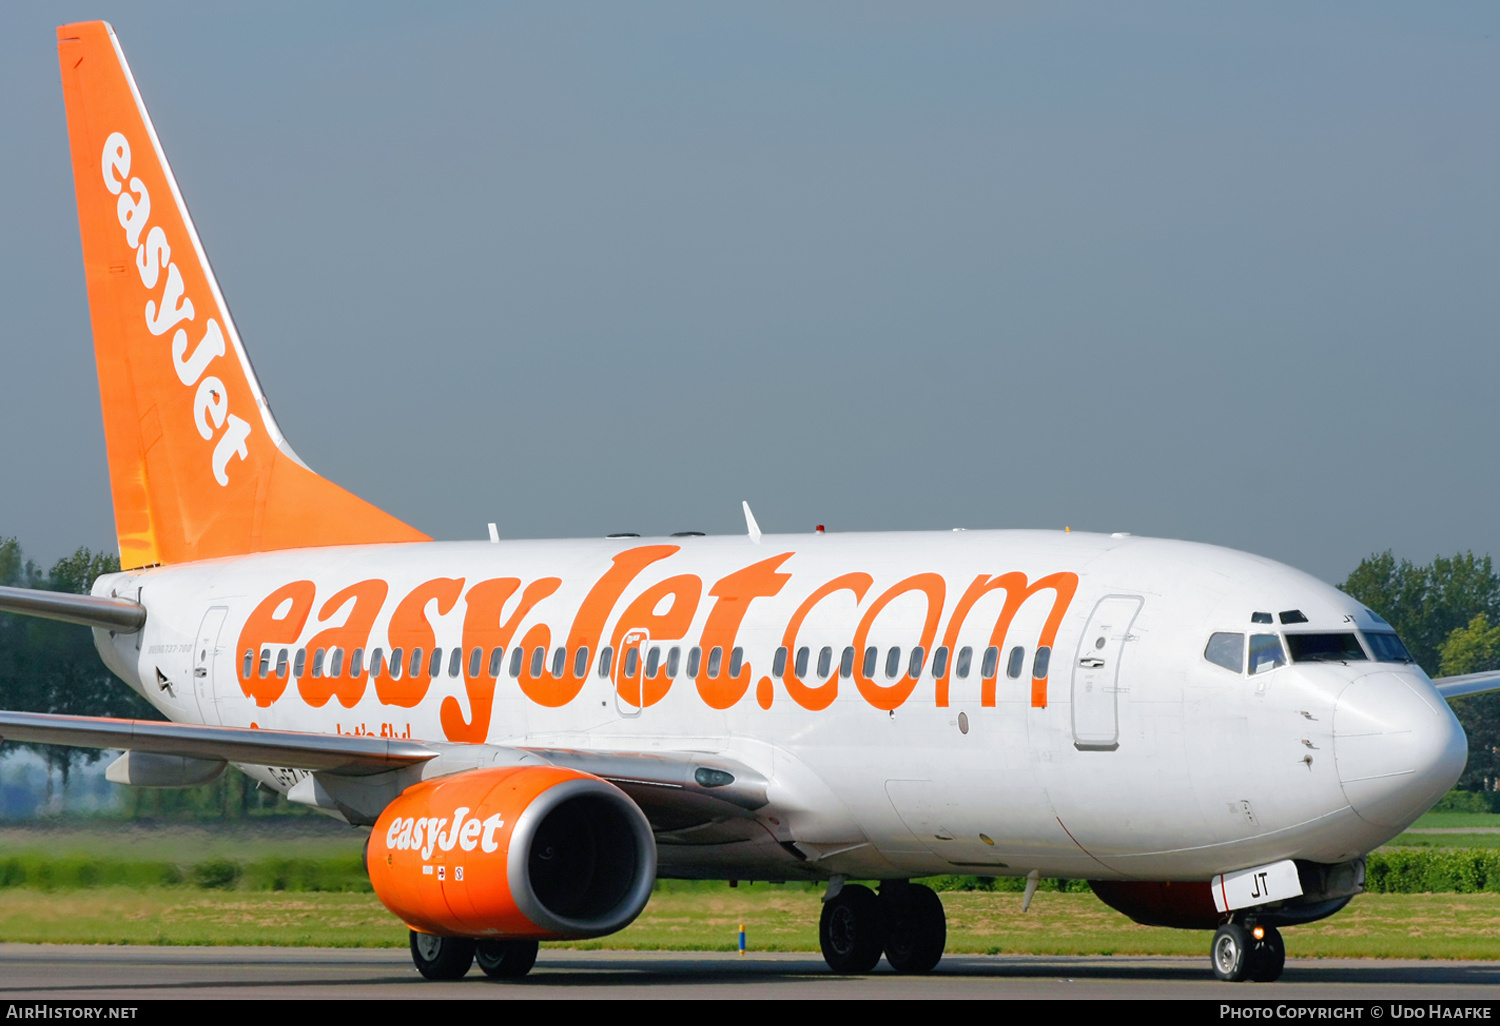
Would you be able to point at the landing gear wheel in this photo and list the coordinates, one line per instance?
(506, 959)
(851, 930)
(1268, 957)
(1230, 953)
(441, 958)
(915, 927)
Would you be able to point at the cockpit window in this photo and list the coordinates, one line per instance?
(1325, 648)
(1387, 647)
(1265, 653)
(1293, 616)
(1226, 650)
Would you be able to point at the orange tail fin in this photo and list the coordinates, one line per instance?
(197, 466)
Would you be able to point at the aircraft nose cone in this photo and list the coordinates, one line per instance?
(1397, 745)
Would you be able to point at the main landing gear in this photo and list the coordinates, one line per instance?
(1252, 952)
(449, 958)
(905, 921)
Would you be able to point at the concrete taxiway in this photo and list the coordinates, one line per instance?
(123, 974)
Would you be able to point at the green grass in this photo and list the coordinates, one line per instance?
(775, 919)
(1449, 820)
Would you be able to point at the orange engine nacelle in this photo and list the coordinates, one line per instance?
(518, 851)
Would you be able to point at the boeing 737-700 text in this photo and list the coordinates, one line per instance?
(535, 731)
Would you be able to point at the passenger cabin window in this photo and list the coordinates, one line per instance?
(1265, 653)
(317, 666)
(559, 660)
(1226, 650)
(357, 663)
(398, 661)
(435, 664)
(538, 657)
(1325, 648)
(674, 658)
(265, 663)
(335, 662)
(606, 660)
(1386, 646)
(846, 663)
(715, 659)
(736, 661)
(300, 663)
(377, 662)
(517, 655)
(456, 661)
(965, 659)
(778, 663)
(893, 663)
(653, 662)
(1016, 661)
(695, 656)
(632, 660)
(581, 663)
(497, 661)
(940, 661)
(281, 663)
(249, 663)
(476, 661)
(825, 662)
(990, 664)
(414, 668)
(803, 654)
(1040, 663)
(914, 667)
(872, 656)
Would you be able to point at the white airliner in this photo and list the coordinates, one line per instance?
(535, 731)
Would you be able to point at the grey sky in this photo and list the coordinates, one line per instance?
(1210, 271)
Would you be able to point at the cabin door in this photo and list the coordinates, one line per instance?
(630, 677)
(1096, 673)
(206, 659)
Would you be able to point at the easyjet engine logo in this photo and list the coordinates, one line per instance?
(424, 834)
(172, 308)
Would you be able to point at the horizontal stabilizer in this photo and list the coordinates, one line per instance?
(331, 753)
(1468, 684)
(119, 615)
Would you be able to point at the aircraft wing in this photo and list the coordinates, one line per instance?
(1468, 684)
(677, 790)
(331, 753)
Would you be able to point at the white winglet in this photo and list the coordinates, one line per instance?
(494, 534)
(750, 524)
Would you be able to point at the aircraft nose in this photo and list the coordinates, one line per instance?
(1397, 745)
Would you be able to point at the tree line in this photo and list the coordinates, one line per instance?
(1447, 612)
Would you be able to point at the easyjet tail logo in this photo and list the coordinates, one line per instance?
(171, 308)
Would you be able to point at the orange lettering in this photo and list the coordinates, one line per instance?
(882, 697)
(368, 597)
(685, 590)
(587, 629)
(264, 627)
(483, 630)
(821, 696)
(734, 594)
(1063, 585)
(409, 629)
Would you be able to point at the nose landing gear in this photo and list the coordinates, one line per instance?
(906, 922)
(1241, 952)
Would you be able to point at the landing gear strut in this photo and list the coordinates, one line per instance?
(906, 922)
(1248, 953)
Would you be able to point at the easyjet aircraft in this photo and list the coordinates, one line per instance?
(535, 731)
